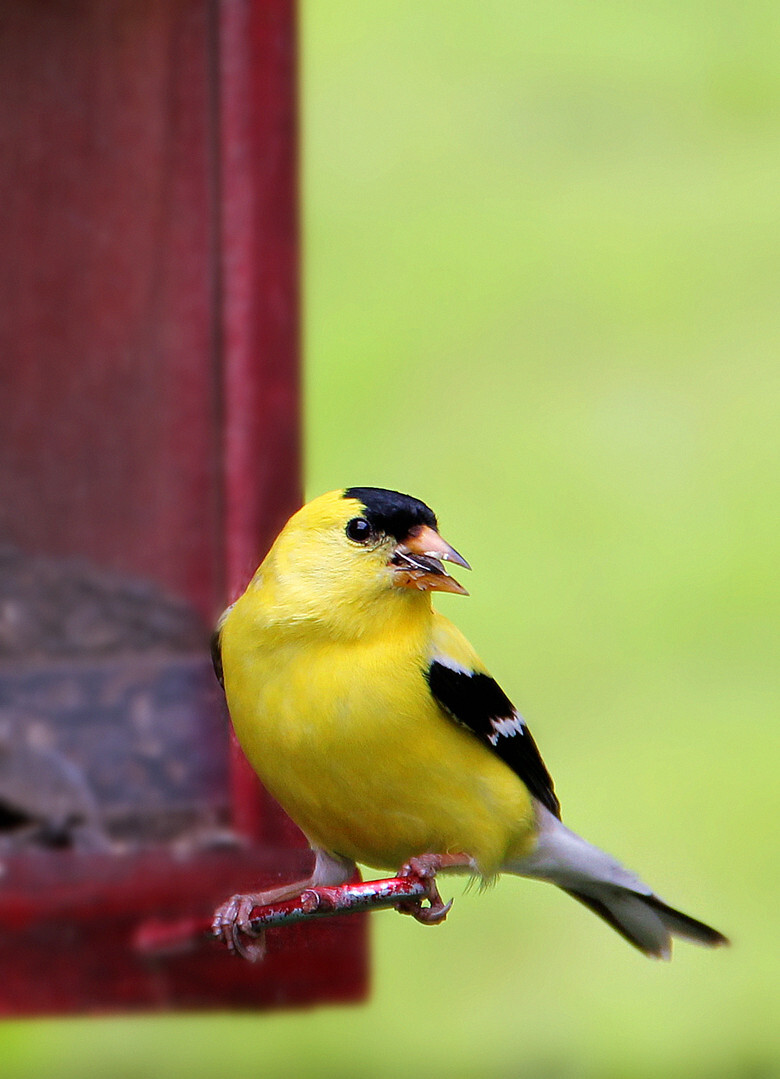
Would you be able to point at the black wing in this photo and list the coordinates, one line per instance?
(476, 701)
(216, 656)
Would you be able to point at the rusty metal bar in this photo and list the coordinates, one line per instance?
(158, 938)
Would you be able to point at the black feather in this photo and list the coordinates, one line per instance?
(391, 512)
(478, 702)
(683, 925)
(216, 657)
(675, 922)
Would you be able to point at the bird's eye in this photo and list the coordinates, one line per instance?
(358, 529)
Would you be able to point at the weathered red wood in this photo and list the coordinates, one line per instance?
(70, 937)
(150, 423)
(109, 439)
(259, 274)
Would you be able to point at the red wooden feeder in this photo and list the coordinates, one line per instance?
(149, 454)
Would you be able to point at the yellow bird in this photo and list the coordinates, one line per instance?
(372, 721)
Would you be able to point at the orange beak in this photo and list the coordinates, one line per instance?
(417, 562)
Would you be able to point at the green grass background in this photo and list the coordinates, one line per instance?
(542, 289)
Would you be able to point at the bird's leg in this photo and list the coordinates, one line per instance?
(424, 868)
(231, 923)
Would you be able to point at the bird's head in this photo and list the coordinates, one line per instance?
(350, 550)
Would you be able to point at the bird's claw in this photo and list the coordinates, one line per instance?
(232, 925)
(435, 912)
(424, 869)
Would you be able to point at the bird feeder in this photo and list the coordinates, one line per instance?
(149, 454)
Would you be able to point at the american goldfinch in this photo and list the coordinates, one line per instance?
(372, 721)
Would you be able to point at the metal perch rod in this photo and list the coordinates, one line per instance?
(344, 899)
(157, 938)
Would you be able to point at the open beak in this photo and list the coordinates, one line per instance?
(417, 562)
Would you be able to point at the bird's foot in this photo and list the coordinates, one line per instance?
(232, 921)
(232, 926)
(424, 869)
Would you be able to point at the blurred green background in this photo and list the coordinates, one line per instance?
(542, 287)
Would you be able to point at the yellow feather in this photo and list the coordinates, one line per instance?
(324, 667)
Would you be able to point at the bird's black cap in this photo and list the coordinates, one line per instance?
(391, 512)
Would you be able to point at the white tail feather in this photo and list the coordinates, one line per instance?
(605, 887)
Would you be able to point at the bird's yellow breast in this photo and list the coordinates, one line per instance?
(347, 737)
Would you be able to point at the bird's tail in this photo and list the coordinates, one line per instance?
(605, 887)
